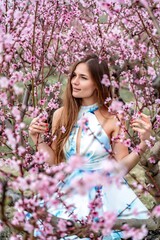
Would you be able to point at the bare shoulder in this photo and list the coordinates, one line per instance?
(113, 123)
(108, 116)
(107, 120)
(58, 113)
(118, 125)
(110, 120)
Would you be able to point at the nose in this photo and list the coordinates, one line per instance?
(75, 80)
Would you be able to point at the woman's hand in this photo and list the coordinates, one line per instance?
(143, 126)
(37, 127)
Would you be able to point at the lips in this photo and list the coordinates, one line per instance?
(76, 89)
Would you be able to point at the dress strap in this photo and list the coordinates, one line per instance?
(98, 131)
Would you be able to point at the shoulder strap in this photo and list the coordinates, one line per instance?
(97, 130)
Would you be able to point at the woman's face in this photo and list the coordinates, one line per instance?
(83, 85)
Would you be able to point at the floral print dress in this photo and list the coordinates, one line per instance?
(95, 146)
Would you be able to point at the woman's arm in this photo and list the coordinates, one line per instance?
(37, 128)
(143, 126)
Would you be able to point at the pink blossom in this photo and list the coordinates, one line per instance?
(63, 129)
(152, 160)
(40, 157)
(8, 39)
(11, 139)
(8, 57)
(127, 142)
(115, 106)
(3, 98)
(148, 143)
(1, 188)
(1, 58)
(107, 100)
(115, 84)
(143, 47)
(53, 104)
(17, 237)
(16, 113)
(76, 161)
(109, 221)
(46, 228)
(134, 233)
(144, 2)
(81, 186)
(22, 125)
(43, 116)
(151, 72)
(156, 211)
(62, 225)
(18, 217)
(17, 90)
(105, 80)
(21, 150)
(4, 82)
(83, 123)
(1, 47)
(28, 227)
(54, 138)
(135, 184)
(135, 212)
(42, 101)
(136, 68)
(139, 187)
(34, 112)
(1, 226)
(10, 162)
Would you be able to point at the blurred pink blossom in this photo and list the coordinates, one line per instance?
(151, 160)
(1, 226)
(63, 129)
(156, 211)
(11, 139)
(16, 113)
(115, 106)
(83, 123)
(62, 225)
(134, 233)
(105, 80)
(76, 161)
(18, 90)
(4, 82)
(151, 72)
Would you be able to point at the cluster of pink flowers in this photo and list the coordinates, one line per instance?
(135, 234)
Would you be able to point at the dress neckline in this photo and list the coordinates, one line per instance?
(88, 108)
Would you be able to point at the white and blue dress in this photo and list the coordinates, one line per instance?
(95, 147)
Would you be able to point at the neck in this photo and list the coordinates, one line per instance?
(88, 102)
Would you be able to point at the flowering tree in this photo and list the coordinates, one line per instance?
(39, 40)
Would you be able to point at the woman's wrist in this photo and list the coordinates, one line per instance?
(37, 139)
(142, 147)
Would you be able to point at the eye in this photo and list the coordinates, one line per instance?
(84, 78)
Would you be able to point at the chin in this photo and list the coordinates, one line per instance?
(76, 95)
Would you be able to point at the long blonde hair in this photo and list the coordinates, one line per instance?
(71, 105)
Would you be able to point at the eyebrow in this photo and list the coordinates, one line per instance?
(81, 74)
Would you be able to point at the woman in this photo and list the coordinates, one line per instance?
(85, 100)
